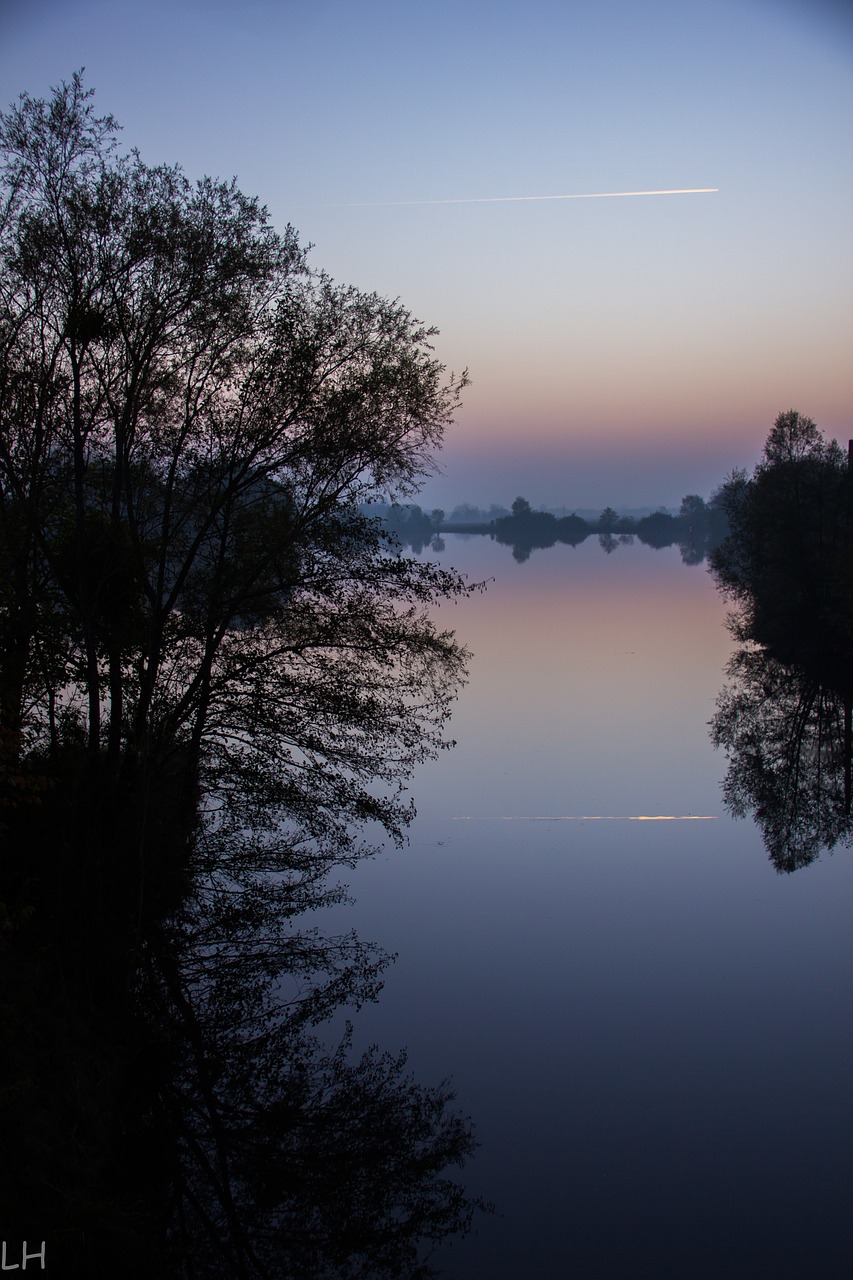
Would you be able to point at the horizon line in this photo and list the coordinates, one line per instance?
(584, 195)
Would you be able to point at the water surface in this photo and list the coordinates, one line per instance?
(649, 1025)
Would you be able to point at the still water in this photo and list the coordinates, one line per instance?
(649, 1025)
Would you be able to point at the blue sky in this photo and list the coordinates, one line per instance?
(622, 351)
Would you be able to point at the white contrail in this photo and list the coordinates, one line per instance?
(592, 817)
(585, 195)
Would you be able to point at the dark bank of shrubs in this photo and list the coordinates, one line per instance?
(213, 674)
(787, 562)
(785, 715)
(526, 528)
(698, 527)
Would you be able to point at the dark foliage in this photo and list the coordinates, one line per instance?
(215, 672)
(292, 1158)
(787, 562)
(786, 717)
(526, 529)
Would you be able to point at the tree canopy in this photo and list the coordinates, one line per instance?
(785, 718)
(190, 416)
(216, 671)
(786, 561)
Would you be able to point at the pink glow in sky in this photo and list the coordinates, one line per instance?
(621, 350)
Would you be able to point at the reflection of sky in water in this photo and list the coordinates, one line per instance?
(592, 681)
(650, 1026)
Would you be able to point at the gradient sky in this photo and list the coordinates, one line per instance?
(622, 351)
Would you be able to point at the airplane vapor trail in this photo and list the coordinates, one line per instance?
(584, 195)
(592, 817)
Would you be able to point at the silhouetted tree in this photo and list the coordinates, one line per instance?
(788, 740)
(786, 561)
(658, 530)
(287, 1158)
(786, 719)
(190, 418)
(572, 529)
(693, 509)
(201, 631)
(526, 529)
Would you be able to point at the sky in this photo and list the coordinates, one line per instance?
(621, 351)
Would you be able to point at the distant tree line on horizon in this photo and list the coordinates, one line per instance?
(697, 528)
(779, 544)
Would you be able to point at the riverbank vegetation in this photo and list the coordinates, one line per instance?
(215, 671)
(696, 529)
(785, 717)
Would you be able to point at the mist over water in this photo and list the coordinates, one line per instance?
(648, 1024)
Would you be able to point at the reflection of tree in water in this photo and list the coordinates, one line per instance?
(285, 1158)
(610, 541)
(527, 529)
(190, 1120)
(788, 739)
(194, 615)
(695, 531)
(785, 717)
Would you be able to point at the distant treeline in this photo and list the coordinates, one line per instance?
(698, 527)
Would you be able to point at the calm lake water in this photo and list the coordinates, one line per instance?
(650, 1027)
